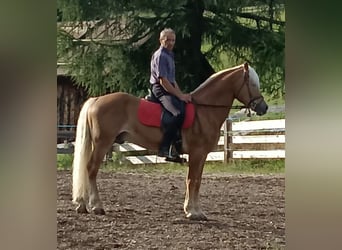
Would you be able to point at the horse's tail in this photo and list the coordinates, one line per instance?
(82, 154)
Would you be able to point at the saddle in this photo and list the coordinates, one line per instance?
(150, 113)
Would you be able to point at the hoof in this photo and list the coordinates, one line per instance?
(81, 209)
(98, 211)
(199, 216)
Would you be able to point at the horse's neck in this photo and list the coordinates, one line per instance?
(217, 90)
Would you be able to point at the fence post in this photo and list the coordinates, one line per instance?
(227, 141)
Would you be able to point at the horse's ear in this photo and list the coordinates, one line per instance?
(245, 66)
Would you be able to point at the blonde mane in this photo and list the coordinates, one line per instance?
(253, 76)
(220, 73)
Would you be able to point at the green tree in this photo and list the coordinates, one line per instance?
(107, 45)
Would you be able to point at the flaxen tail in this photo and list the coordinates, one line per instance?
(82, 154)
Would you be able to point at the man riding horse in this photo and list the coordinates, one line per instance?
(165, 89)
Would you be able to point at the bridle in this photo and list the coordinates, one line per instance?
(254, 101)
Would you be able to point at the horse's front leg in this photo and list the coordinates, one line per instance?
(193, 182)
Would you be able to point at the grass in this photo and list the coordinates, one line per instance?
(267, 116)
(252, 166)
(64, 161)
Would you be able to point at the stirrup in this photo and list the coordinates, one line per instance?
(176, 159)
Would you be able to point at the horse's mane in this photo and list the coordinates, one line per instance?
(252, 73)
(216, 75)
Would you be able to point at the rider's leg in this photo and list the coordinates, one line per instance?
(170, 123)
(177, 142)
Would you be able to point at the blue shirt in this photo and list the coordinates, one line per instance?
(162, 65)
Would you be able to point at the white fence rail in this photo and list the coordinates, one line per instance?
(240, 140)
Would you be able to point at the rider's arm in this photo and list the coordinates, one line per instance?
(170, 88)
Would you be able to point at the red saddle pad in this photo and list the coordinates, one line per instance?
(149, 114)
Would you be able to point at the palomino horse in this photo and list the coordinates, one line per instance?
(113, 118)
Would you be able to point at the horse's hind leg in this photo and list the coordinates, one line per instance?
(100, 149)
(193, 182)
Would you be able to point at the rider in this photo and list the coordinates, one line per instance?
(165, 88)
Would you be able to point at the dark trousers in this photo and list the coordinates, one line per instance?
(171, 120)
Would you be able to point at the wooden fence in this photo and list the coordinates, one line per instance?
(263, 139)
(66, 134)
(254, 139)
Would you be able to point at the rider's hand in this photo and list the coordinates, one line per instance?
(186, 98)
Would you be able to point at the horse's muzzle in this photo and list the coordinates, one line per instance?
(261, 108)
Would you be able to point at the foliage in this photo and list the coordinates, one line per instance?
(107, 45)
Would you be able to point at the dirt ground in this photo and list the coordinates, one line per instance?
(145, 211)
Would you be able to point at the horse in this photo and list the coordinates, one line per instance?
(113, 118)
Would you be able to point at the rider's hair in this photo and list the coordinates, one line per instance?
(166, 31)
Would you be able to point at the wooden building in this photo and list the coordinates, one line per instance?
(70, 99)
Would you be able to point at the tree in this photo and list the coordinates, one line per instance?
(108, 44)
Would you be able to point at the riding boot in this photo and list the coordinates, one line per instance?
(165, 145)
(170, 125)
(165, 149)
(177, 143)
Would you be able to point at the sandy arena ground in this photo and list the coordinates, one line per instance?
(145, 211)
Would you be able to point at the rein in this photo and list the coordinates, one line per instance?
(217, 105)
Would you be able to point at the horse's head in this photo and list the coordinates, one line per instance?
(249, 91)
